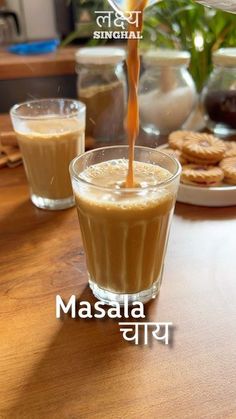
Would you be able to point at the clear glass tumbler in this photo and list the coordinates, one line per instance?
(125, 231)
(50, 133)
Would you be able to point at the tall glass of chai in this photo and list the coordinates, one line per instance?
(125, 230)
(50, 133)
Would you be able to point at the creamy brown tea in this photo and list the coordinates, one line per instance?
(124, 236)
(48, 147)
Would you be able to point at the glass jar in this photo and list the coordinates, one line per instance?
(219, 94)
(102, 87)
(167, 92)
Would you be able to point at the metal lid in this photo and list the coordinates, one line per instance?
(100, 55)
(167, 57)
(225, 57)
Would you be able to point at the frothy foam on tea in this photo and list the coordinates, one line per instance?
(47, 127)
(113, 173)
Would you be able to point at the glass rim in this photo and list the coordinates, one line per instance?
(81, 107)
(76, 177)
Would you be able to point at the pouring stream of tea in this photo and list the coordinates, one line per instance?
(133, 65)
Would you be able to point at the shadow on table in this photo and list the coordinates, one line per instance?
(27, 223)
(77, 367)
(193, 212)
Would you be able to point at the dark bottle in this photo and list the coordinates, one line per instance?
(219, 95)
(220, 106)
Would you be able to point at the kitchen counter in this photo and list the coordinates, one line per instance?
(70, 368)
(36, 76)
(61, 62)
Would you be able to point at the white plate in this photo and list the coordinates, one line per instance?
(217, 196)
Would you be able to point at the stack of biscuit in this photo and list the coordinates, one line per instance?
(10, 154)
(206, 160)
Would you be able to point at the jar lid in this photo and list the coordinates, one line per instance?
(225, 57)
(167, 57)
(100, 55)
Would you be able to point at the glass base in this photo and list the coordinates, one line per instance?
(109, 297)
(52, 204)
(220, 130)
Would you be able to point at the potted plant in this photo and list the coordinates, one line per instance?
(186, 25)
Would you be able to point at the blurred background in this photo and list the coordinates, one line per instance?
(179, 24)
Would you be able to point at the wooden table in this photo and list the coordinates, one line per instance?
(83, 368)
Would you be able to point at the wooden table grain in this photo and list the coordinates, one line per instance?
(73, 369)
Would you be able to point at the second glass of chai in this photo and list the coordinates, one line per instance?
(50, 133)
(125, 231)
